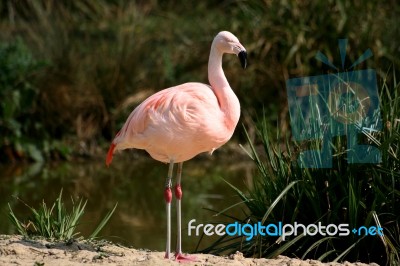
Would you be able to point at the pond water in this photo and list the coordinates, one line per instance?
(136, 182)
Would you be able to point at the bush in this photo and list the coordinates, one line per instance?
(18, 131)
(355, 194)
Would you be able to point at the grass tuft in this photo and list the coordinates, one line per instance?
(55, 221)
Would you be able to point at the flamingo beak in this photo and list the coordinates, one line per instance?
(243, 58)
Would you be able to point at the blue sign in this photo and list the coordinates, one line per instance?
(341, 104)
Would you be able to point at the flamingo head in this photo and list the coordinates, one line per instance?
(228, 43)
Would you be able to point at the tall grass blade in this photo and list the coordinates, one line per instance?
(344, 253)
(275, 202)
(14, 220)
(103, 222)
(316, 244)
(285, 247)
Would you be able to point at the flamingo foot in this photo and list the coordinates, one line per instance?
(167, 255)
(179, 257)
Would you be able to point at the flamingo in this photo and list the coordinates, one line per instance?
(178, 123)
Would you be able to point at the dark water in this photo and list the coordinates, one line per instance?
(136, 183)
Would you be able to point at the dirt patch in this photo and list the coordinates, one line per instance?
(14, 250)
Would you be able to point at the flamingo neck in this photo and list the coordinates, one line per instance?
(227, 99)
(216, 74)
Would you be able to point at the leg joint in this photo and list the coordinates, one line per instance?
(178, 192)
(168, 195)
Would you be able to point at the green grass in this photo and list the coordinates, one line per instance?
(355, 194)
(55, 221)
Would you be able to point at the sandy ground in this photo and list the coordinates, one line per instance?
(14, 250)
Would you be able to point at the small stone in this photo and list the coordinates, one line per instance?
(141, 259)
(237, 256)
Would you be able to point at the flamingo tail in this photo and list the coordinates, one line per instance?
(110, 154)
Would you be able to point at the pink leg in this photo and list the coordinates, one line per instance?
(168, 199)
(178, 194)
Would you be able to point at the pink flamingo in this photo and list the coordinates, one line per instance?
(176, 124)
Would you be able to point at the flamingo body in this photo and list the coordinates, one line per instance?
(178, 123)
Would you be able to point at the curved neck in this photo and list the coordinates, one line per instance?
(216, 75)
(228, 102)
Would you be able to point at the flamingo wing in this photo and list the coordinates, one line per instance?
(175, 116)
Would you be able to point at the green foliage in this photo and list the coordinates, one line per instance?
(355, 194)
(55, 222)
(19, 99)
(106, 56)
(23, 134)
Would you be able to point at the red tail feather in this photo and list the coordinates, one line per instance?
(110, 154)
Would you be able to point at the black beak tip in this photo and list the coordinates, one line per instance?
(243, 58)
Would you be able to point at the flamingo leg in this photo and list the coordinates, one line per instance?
(168, 199)
(178, 194)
